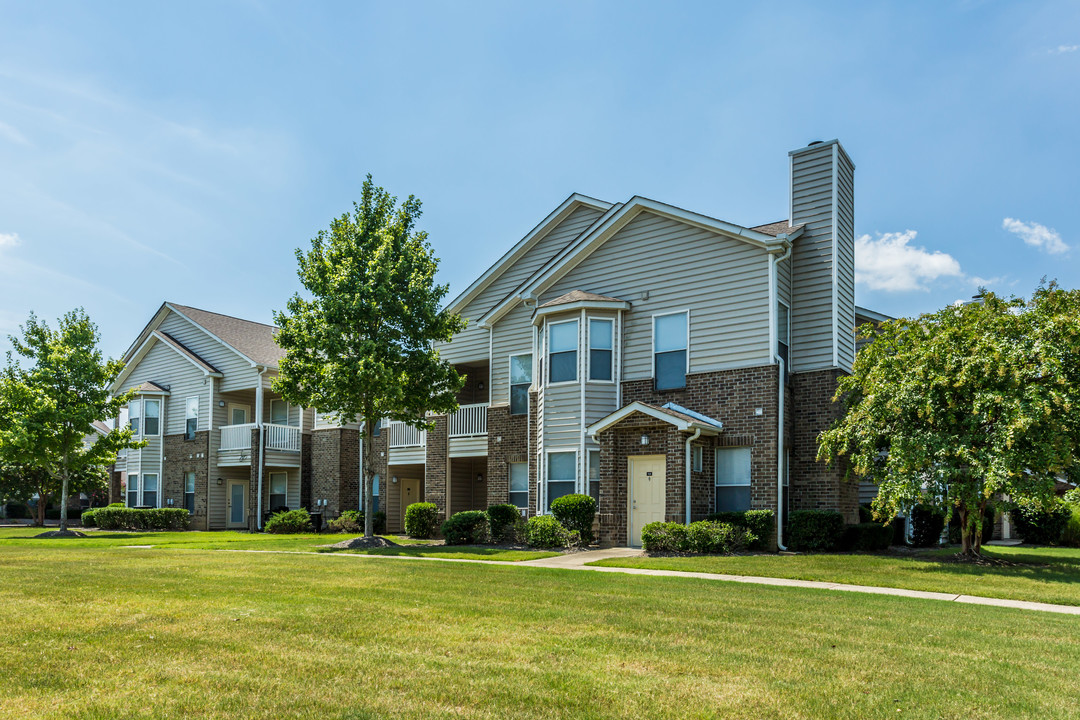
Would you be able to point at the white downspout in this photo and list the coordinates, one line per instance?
(262, 442)
(689, 464)
(781, 381)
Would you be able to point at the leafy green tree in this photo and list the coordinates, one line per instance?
(47, 409)
(958, 407)
(362, 346)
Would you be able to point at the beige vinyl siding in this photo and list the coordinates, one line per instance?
(512, 336)
(562, 416)
(164, 366)
(783, 281)
(724, 282)
(845, 251)
(238, 372)
(812, 261)
(472, 343)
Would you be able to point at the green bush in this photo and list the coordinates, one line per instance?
(18, 511)
(378, 522)
(88, 518)
(1041, 525)
(421, 520)
(576, 513)
(1071, 536)
(289, 522)
(124, 518)
(350, 521)
(664, 537)
(503, 519)
(760, 523)
(867, 537)
(866, 514)
(469, 527)
(116, 505)
(703, 536)
(814, 530)
(544, 531)
(926, 526)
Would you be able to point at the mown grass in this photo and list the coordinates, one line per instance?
(107, 632)
(1042, 574)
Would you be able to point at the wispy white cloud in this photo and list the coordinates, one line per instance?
(1061, 49)
(9, 240)
(12, 134)
(1036, 235)
(891, 263)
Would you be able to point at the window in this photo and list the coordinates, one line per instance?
(279, 412)
(561, 475)
(135, 416)
(601, 337)
(732, 479)
(191, 418)
(669, 350)
(519, 484)
(238, 414)
(697, 458)
(783, 331)
(149, 490)
(151, 417)
(562, 355)
(377, 430)
(279, 486)
(594, 476)
(189, 492)
(520, 380)
(132, 490)
(375, 493)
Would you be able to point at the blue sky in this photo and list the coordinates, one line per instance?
(183, 151)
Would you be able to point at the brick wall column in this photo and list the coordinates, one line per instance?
(508, 442)
(436, 465)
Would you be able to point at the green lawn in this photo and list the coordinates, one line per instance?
(24, 537)
(1047, 575)
(109, 632)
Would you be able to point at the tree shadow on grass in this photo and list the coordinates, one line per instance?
(1038, 564)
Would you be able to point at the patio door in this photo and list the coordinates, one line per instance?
(648, 493)
(237, 512)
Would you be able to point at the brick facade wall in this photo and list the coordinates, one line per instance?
(182, 456)
(508, 442)
(815, 485)
(335, 470)
(435, 467)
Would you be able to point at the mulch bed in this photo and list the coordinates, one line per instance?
(61, 534)
(363, 543)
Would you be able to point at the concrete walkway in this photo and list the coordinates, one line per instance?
(579, 560)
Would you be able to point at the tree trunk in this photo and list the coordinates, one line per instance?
(64, 499)
(41, 508)
(366, 477)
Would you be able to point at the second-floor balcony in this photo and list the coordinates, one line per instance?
(403, 435)
(278, 437)
(468, 421)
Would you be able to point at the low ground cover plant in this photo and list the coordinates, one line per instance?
(125, 518)
(544, 531)
(469, 527)
(421, 520)
(290, 522)
(576, 513)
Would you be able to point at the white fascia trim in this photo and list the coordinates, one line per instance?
(821, 145)
(514, 254)
(181, 353)
(212, 335)
(609, 305)
(149, 327)
(141, 353)
(623, 413)
(872, 315)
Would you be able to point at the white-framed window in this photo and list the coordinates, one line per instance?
(732, 479)
(520, 380)
(191, 417)
(697, 458)
(562, 351)
(135, 416)
(594, 475)
(561, 474)
(783, 331)
(132, 490)
(189, 492)
(279, 412)
(150, 490)
(519, 484)
(279, 488)
(671, 359)
(151, 417)
(601, 349)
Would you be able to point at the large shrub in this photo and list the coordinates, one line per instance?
(814, 530)
(926, 526)
(349, 521)
(421, 520)
(702, 537)
(1041, 525)
(469, 527)
(289, 522)
(576, 513)
(124, 518)
(17, 511)
(664, 537)
(759, 522)
(88, 518)
(503, 519)
(544, 531)
(867, 537)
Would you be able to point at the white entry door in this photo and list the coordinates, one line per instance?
(236, 504)
(648, 493)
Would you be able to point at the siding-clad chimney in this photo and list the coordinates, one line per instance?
(823, 259)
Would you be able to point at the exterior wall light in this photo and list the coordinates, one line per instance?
(644, 439)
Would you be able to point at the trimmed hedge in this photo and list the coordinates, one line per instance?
(814, 530)
(576, 512)
(926, 526)
(469, 527)
(290, 522)
(699, 537)
(759, 522)
(123, 518)
(87, 518)
(1040, 526)
(503, 521)
(18, 511)
(421, 520)
(867, 537)
(544, 531)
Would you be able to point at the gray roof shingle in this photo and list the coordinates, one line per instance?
(254, 340)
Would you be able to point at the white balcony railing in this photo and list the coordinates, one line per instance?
(469, 421)
(236, 437)
(282, 437)
(402, 435)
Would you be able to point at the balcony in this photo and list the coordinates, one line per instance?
(468, 421)
(236, 437)
(284, 438)
(403, 435)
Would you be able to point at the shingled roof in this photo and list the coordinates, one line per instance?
(579, 296)
(780, 227)
(253, 340)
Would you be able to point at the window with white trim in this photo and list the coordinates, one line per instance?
(279, 412)
(670, 343)
(561, 475)
(697, 458)
(151, 417)
(783, 331)
(279, 488)
(191, 417)
(601, 353)
(520, 380)
(594, 475)
(135, 416)
(732, 479)
(519, 484)
(132, 490)
(189, 492)
(562, 351)
(150, 490)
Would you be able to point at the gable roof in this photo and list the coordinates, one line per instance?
(101, 427)
(579, 296)
(680, 417)
(186, 352)
(253, 340)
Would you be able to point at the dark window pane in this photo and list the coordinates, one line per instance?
(133, 499)
(192, 423)
(277, 501)
(732, 498)
(151, 426)
(671, 370)
(594, 490)
(189, 502)
(564, 366)
(557, 489)
(782, 351)
(600, 365)
(520, 499)
(519, 399)
(149, 498)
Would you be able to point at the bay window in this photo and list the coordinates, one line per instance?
(135, 416)
(594, 476)
(561, 475)
(151, 417)
(601, 339)
(149, 491)
(562, 351)
(132, 490)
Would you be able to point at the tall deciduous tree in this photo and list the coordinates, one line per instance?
(959, 407)
(362, 346)
(48, 407)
